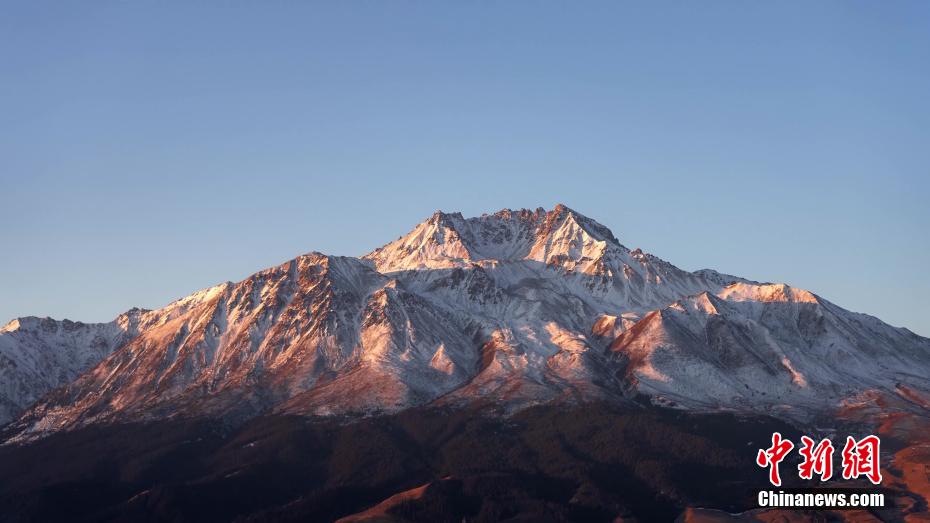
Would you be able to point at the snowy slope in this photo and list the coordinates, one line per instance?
(509, 309)
(758, 347)
(39, 354)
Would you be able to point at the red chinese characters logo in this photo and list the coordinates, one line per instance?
(859, 458)
(774, 455)
(817, 459)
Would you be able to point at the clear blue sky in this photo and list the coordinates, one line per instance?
(149, 149)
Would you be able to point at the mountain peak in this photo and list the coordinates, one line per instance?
(562, 210)
(589, 225)
(448, 218)
(38, 323)
(767, 292)
(12, 325)
(448, 240)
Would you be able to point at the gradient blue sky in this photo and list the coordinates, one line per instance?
(149, 149)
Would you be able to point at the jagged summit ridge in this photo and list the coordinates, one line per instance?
(450, 240)
(507, 309)
(531, 244)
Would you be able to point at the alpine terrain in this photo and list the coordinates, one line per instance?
(499, 322)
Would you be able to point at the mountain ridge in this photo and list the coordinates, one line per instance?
(514, 308)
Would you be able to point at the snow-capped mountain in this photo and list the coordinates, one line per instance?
(758, 346)
(512, 309)
(39, 354)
